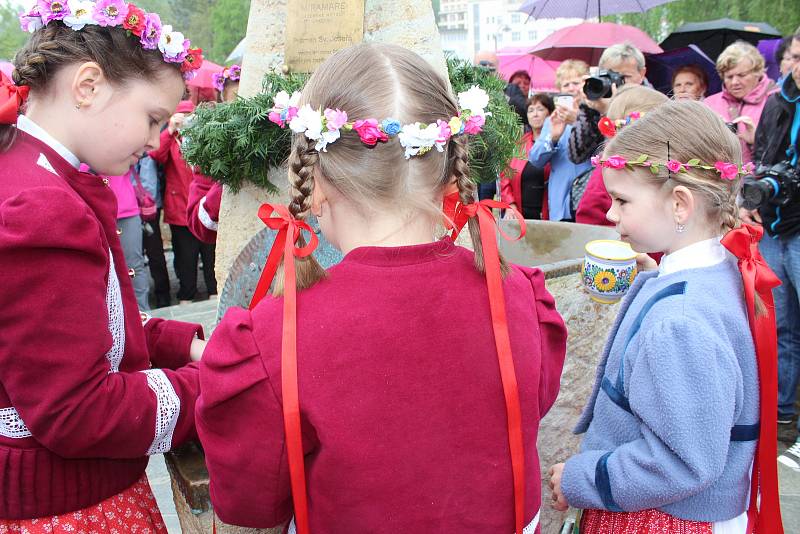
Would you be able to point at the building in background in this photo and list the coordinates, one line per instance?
(468, 26)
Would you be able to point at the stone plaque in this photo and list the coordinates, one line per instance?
(317, 28)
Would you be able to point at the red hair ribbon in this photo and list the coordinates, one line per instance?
(284, 248)
(759, 280)
(11, 99)
(497, 305)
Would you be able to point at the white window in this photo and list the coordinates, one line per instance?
(515, 18)
(531, 35)
(515, 36)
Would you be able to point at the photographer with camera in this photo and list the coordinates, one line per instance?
(772, 197)
(745, 89)
(620, 64)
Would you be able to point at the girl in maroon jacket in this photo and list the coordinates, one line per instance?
(88, 387)
(402, 390)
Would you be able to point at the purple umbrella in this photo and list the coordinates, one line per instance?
(661, 66)
(585, 9)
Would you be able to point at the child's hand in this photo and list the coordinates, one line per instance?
(175, 122)
(196, 349)
(559, 501)
(645, 263)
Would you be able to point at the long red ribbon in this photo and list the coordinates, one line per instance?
(759, 280)
(497, 306)
(11, 99)
(285, 223)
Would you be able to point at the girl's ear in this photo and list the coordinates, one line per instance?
(87, 83)
(683, 204)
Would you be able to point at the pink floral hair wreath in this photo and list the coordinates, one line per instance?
(726, 170)
(146, 27)
(232, 73)
(325, 126)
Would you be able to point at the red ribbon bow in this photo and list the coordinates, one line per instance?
(11, 99)
(759, 280)
(457, 215)
(284, 248)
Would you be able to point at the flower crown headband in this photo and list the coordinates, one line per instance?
(609, 128)
(77, 14)
(727, 171)
(232, 73)
(324, 127)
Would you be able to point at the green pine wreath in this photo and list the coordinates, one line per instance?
(235, 142)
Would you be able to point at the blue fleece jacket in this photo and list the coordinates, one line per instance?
(673, 415)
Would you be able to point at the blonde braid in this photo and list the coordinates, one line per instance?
(302, 160)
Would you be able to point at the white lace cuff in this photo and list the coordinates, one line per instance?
(11, 425)
(205, 218)
(168, 409)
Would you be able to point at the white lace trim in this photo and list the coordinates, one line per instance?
(205, 218)
(11, 424)
(116, 317)
(168, 408)
(530, 529)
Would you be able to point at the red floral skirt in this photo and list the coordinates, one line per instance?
(133, 510)
(644, 522)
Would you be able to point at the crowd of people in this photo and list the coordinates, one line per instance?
(402, 389)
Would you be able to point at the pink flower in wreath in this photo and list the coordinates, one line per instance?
(616, 162)
(275, 117)
(674, 165)
(336, 118)
(595, 161)
(369, 132)
(110, 12)
(748, 167)
(728, 171)
(474, 124)
(444, 131)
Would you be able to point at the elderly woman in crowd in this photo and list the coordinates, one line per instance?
(552, 144)
(522, 185)
(689, 82)
(584, 139)
(744, 94)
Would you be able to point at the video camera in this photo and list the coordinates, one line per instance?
(599, 86)
(774, 184)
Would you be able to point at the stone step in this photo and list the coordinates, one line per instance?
(203, 312)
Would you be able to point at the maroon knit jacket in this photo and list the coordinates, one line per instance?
(80, 406)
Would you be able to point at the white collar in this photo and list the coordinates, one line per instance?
(701, 254)
(31, 128)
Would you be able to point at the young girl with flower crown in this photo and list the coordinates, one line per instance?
(88, 387)
(401, 390)
(681, 425)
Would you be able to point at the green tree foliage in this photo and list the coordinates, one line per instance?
(228, 26)
(11, 36)
(658, 22)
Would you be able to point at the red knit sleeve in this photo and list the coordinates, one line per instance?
(161, 154)
(595, 202)
(240, 423)
(202, 210)
(553, 339)
(56, 357)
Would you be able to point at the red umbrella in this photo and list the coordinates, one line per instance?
(204, 77)
(587, 41)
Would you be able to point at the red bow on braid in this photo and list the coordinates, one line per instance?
(11, 99)
(759, 280)
(285, 249)
(457, 215)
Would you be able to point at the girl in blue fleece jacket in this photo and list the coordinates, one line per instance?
(672, 424)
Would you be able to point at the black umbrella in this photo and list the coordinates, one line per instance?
(714, 35)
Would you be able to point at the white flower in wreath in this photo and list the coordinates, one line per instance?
(171, 43)
(309, 122)
(418, 140)
(328, 137)
(284, 101)
(475, 100)
(81, 12)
